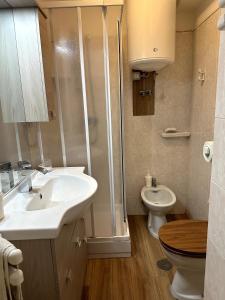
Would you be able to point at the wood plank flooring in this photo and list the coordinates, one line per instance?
(133, 278)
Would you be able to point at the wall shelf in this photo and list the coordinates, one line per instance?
(178, 134)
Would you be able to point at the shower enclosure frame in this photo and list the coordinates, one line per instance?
(101, 246)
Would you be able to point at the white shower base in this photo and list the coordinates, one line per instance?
(105, 245)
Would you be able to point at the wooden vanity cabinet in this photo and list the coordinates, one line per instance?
(55, 269)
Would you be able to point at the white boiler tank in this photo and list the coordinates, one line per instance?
(151, 33)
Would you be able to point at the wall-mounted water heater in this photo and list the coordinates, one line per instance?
(151, 33)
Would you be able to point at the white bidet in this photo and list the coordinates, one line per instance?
(159, 200)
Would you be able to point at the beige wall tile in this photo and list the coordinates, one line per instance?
(135, 206)
(8, 149)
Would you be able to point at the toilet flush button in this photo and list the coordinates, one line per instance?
(208, 151)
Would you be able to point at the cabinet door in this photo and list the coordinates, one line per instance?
(62, 247)
(70, 259)
(37, 266)
(48, 65)
(31, 64)
(12, 104)
(63, 252)
(79, 259)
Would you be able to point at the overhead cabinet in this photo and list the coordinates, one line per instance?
(25, 71)
(17, 3)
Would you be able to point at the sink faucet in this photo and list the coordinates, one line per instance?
(42, 169)
(24, 165)
(154, 182)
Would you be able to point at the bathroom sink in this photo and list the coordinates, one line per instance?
(40, 202)
(59, 197)
(58, 190)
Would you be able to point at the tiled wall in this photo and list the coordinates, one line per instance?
(215, 263)
(205, 57)
(8, 149)
(181, 102)
(167, 160)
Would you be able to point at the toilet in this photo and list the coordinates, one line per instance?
(159, 200)
(184, 243)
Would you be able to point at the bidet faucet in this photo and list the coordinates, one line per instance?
(154, 182)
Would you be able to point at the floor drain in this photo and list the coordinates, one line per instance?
(164, 264)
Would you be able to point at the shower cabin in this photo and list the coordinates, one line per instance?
(88, 77)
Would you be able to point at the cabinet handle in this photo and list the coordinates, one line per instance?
(69, 276)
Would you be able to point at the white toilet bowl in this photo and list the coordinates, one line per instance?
(159, 200)
(188, 281)
(184, 243)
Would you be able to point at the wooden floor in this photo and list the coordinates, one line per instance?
(134, 278)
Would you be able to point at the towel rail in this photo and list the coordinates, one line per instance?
(16, 257)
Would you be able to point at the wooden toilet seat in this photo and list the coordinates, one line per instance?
(185, 237)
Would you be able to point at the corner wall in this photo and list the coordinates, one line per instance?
(215, 260)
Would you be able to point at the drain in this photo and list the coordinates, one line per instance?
(164, 264)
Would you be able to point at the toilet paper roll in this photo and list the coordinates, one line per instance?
(221, 23)
(221, 3)
(208, 151)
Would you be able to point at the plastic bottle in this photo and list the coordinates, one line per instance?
(148, 180)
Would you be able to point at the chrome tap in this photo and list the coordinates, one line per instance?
(24, 165)
(42, 169)
(154, 182)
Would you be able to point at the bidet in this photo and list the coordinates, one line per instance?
(159, 200)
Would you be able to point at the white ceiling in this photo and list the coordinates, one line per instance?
(189, 5)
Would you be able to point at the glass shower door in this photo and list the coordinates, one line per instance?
(68, 78)
(86, 43)
(95, 83)
(101, 47)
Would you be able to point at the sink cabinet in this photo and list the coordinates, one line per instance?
(55, 269)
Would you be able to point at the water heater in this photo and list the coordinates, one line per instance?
(151, 33)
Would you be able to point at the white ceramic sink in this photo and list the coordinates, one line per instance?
(62, 189)
(59, 197)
